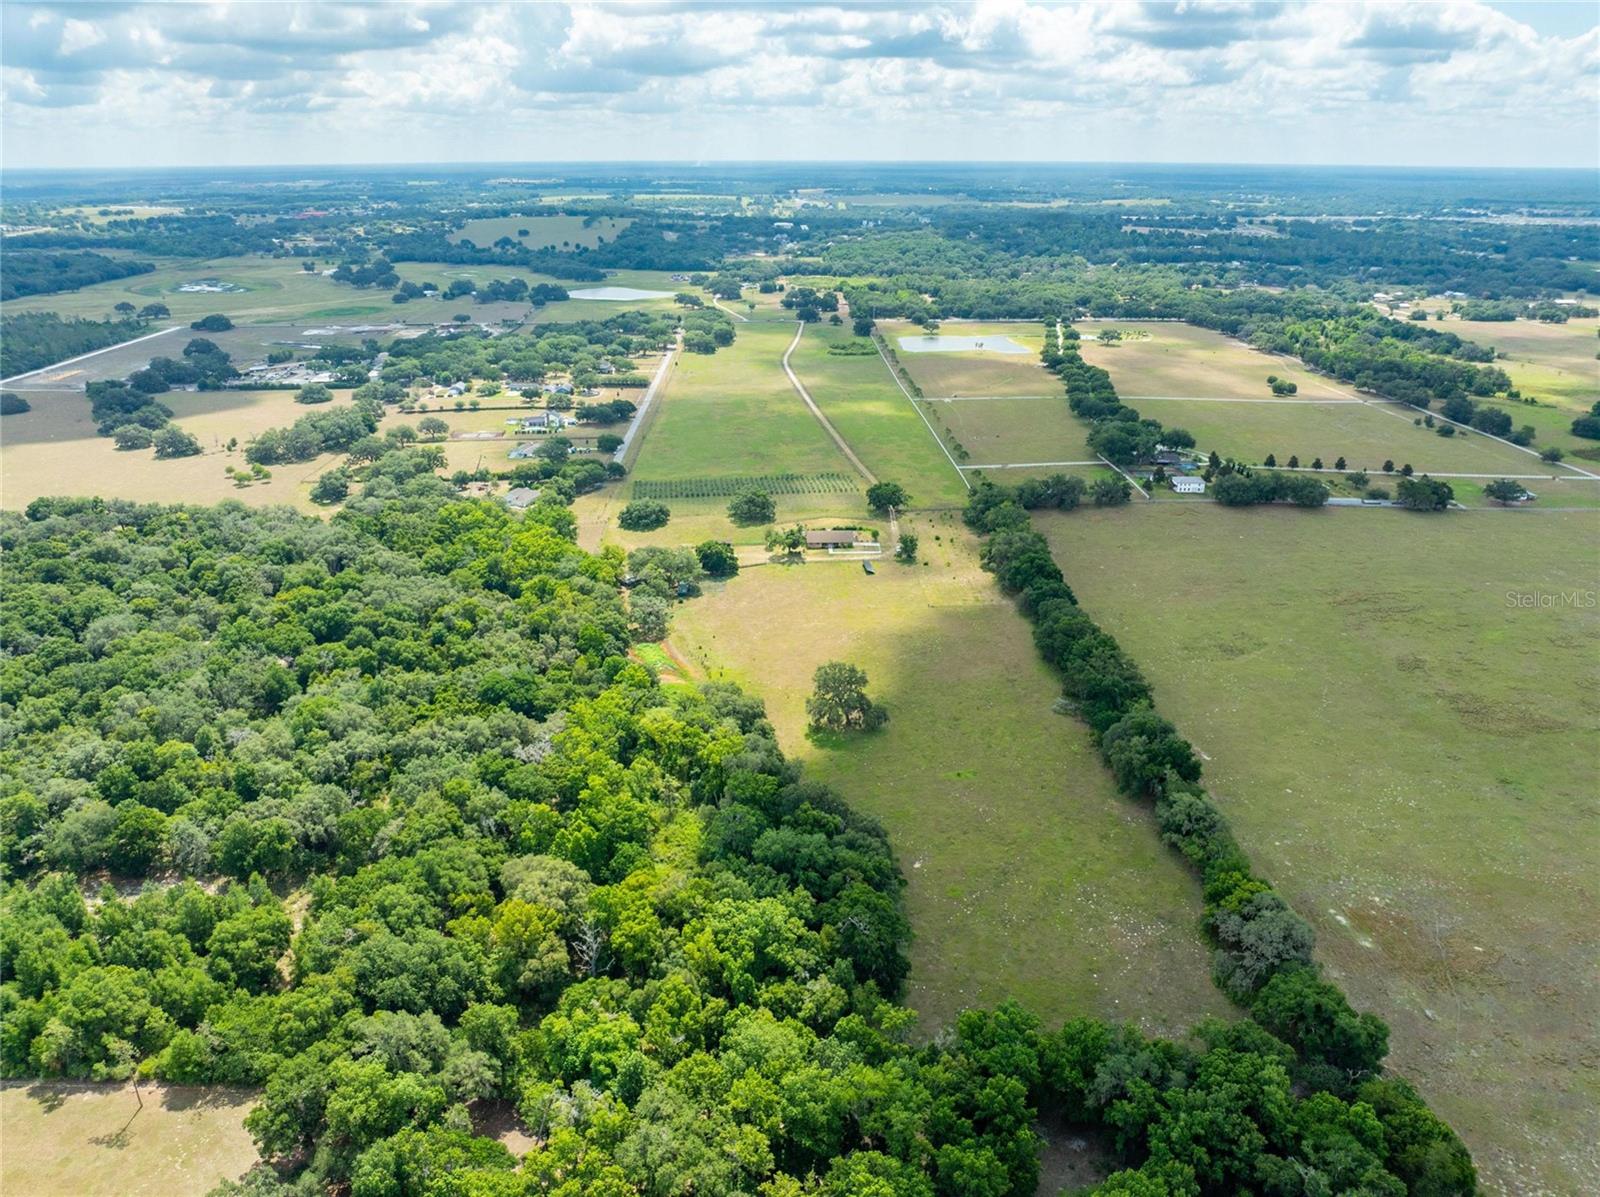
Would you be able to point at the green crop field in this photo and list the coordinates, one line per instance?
(66, 1139)
(1029, 877)
(734, 412)
(1010, 431)
(544, 232)
(54, 450)
(1166, 358)
(863, 401)
(975, 373)
(1364, 434)
(1410, 754)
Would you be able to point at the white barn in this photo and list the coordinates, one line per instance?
(1189, 486)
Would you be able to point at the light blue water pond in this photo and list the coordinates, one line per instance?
(942, 344)
(618, 293)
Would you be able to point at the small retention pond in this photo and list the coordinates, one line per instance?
(619, 293)
(941, 344)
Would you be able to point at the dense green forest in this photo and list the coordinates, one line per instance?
(420, 835)
(32, 340)
(39, 272)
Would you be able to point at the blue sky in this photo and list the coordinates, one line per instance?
(1451, 83)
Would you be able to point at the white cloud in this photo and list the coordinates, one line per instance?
(1294, 81)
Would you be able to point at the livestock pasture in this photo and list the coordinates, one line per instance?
(1012, 431)
(1364, 434)
(1398, 715)
(1167, 358)
(1029, 878)
(1552, 362)
(975, 372)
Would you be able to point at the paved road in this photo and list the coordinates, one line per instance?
(827, 427)
(83, 357)
(644, 403)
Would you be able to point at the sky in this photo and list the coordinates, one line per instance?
(1452, 83)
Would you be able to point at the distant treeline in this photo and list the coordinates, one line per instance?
(41, 272)
(32, 340)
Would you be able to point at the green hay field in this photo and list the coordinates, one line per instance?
(1008, 431)
(734, 412)
(1171, 359)
(1029, 877)
(862, 400)
(65, 1139)
(1411, 756)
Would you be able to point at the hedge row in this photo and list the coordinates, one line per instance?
(1263, 956)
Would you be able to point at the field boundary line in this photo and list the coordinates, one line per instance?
(794, 379)
(1030, 465)
(1220, 399)
(980, 398)
(922, 415)
(83, 357)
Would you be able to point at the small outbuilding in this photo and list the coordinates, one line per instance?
(1189, 486)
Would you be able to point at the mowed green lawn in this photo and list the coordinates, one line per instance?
(734, 412)
(977, 372)
(1172, 359)
(1365, 435)
(65, 1139)
(865, 403)
(1030, 878)
(1412, 757)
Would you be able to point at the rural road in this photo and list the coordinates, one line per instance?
(804, 394)
(83, 357)
(717, 303)
(644, 403)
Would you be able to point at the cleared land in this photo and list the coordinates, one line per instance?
(1029, 877)
(81, 1140)
(862, 400)
(543, 232)
(976, 372)
(734, 412)
(1412, 757)
(54, 450)
(1552, 362)
(1182, 360)
(1365, 435)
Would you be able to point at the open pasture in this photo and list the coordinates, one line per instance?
(1398, 713)
(54, 450)
(1029, 877)
(864, 402)
(1552, 362)
(734, 412)
(1013, 431)
(67, 1139)
(542, 232)
(1364, 434)
(975, 372)
(1180, 360)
